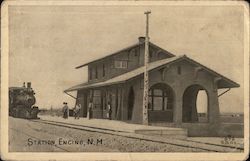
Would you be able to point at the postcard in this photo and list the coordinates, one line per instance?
(124, 80)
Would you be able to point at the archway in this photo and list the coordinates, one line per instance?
(131, 97)
(161, 103)
(195, 104)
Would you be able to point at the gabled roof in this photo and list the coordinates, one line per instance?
(127, 48)
(226, 83)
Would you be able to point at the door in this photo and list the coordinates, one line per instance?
(131, 97)
(83, 101)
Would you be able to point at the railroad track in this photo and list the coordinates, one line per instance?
(209, 147)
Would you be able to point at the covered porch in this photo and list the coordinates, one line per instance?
(101, 97)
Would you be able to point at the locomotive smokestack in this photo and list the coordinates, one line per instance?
(28, 84)
(24, 84)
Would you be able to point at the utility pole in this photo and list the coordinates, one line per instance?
(146, 60)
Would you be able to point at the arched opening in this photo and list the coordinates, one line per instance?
(161, 103)
(131, 97)
(202, 106)
(195, 104)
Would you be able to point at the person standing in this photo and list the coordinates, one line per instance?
(65, 110)
(109, 111)
(77, 110)
(90, 109)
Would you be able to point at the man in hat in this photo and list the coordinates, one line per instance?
(77, 110)
(65, 110)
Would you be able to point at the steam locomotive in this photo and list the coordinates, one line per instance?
(21, 101)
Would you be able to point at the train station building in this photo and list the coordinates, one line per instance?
(174, 83)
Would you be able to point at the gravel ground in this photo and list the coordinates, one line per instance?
(21, 130)
(234, 142)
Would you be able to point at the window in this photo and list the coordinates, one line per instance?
(165, 107)
(151, 53)
(134, 52)
(103, 70)
(96, 72)
(158, 103)
(160, 99)
(137, 52)
(97, 99)
(179, 70)
(121, 64)
(90, 73)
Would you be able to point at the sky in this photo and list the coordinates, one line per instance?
(46, 43)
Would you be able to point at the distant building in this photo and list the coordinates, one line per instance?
(174, 82)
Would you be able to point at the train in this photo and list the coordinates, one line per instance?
(22, 102)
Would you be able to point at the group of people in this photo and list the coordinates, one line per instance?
(90, 110)
(76, 110)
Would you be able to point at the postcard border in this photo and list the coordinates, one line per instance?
(117, 156)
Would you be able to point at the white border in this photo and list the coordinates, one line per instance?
(117, 156)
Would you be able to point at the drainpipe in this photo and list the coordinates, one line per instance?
(224, 92)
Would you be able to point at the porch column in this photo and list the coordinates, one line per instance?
(213, 107)
(177, 108)
(124, 108)
(213, 104)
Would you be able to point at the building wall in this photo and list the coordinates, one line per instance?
(179, 83)
(134, 58)
(138, 95)
(179, 76)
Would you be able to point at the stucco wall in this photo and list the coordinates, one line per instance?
(138, 95)
(179, 83)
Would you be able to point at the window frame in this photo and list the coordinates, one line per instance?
(90, 74)
(179, 70)
(123, 64)
(96, 96)
(96, 72)
(165, 106)
(103, 70)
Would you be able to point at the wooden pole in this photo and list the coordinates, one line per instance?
(146, 60)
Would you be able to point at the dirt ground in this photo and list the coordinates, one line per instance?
(29, 136)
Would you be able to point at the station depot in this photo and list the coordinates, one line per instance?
(174, 84)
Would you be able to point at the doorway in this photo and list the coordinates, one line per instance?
(195, 104)
(131, 97)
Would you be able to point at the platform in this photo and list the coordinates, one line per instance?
(115, 125)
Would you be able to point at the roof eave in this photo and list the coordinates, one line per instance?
(229, 81)
(89, 87)
(127, 48)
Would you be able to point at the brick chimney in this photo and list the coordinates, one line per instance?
(141, 39)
